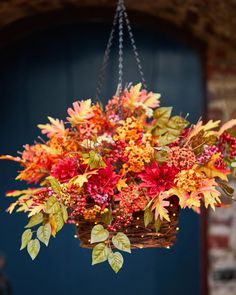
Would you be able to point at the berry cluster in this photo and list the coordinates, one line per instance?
(90, 214)
(121, 220)
(228, 144)
(208, 152)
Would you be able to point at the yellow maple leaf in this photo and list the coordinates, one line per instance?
(159, 206)
(211, 198)
(181, 194)
(82, 178)
(134, 92)
(211, 125)
(193, 201)
(211, 171)
(121, 184)
(209, 194)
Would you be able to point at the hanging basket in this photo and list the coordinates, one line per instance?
(140, 236)
(121, 173)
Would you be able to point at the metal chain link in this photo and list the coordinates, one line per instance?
(121, 40)
(106, 57)
(120, 15)
(134, 47)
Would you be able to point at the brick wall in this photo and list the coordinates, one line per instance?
(221, 90)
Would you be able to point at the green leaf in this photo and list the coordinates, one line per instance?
(121, 242)
(99, 234)
(94, 160)
(33, 248)
(167, 139)
(159, 131)
(148, 216)
(107, 217)
(59, 221)
(34, 220)
(55, 184)
(161, 156)
(157, 225)
(52, 206)
(44, 233)
(116, 261)
(25, 238)
(100, 253)
(64, 212)
(162, 116)
(176, 124)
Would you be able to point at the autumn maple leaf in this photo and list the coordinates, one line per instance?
(226, 126)
(207, 192)
(212, 171)
(200, 127)
(181, 194)
(56, 127)
(82, 110)
(141, 98)
(82, 178)
(159, 205)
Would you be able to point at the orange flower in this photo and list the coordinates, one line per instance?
(132, 199)
(130, 129)
(138, 156)
(180, 157)
(189, 180)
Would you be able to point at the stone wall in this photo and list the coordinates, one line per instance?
(209, 20)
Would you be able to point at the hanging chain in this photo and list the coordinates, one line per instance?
(106, 57)
(120, 15)
(134, 47)
(121, 39)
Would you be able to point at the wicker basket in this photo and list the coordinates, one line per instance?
(140, 237)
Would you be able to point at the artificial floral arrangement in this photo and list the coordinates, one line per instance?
(121, 174)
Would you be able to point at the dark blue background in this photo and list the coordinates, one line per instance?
(41, 76)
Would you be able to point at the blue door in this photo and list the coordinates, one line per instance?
(41, 76)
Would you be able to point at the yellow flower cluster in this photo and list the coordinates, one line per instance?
(138, 156)
(63, 144)
(130, 129)
(189, 180)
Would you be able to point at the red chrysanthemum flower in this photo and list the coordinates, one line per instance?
(65, 169)
(101, 186)
(157, 179)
